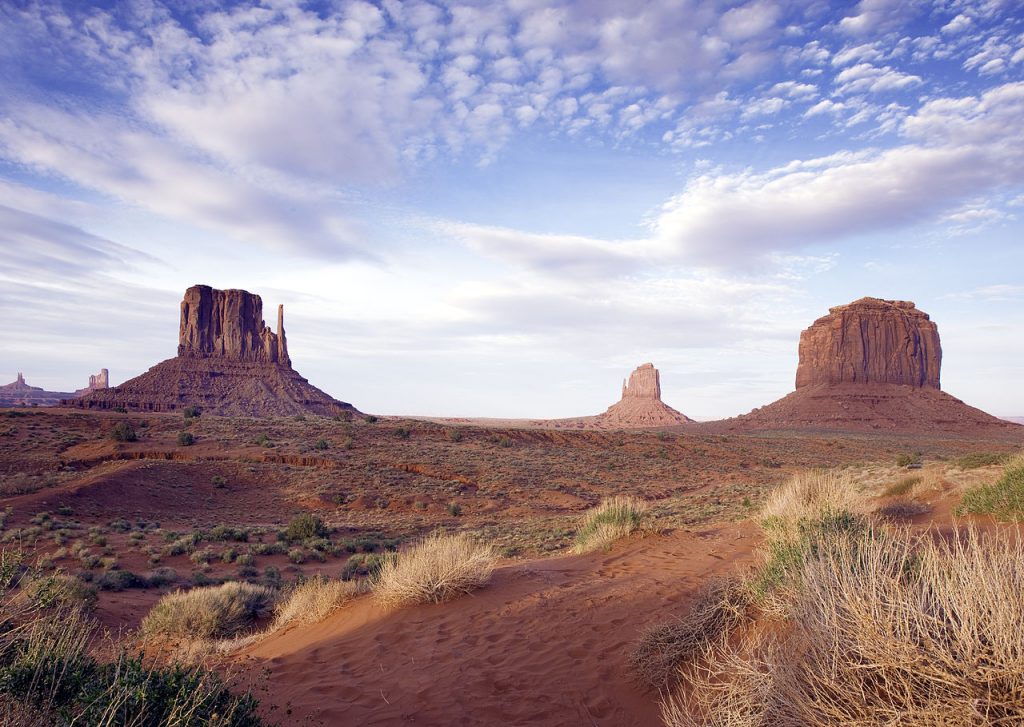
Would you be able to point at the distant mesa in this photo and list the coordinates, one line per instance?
(641, 404)
(229, 363)
(19, 393)
(870, 365)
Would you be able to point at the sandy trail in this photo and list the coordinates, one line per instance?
(546, 643)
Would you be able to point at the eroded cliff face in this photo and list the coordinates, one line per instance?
(871, 341)
(229, 362)
(229, 324)
(644, 383)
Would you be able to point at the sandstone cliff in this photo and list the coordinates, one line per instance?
(229, 363)
(871, 341)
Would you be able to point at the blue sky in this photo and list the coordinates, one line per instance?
(499, 209)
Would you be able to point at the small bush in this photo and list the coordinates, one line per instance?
(119, 580)
(614, 518)
(213, 612)
(454, 435)
(1003, 499)
(371, 419)
(718, 607)
(403, 433)
(191, 412)
(123, 432)
(303, 526)
(321, 444)
(438, 568)
(186, 439)
(297, 556)
(365, 565)
(980, 459)
(907, 460)
(903, 487)
(454, 509)
(314, 600)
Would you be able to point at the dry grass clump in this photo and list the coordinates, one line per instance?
(314, 600)
(806, 497)
(891, 629)
(438, 568)
(1003, 499)
(718, 608)
(616, 517)
(209, 613)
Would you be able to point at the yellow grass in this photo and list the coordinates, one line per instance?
(314, 600)
(615, 518)
(207, 613)
(438, 568)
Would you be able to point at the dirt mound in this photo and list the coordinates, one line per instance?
(229, 363)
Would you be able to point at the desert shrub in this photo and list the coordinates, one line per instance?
(313, 600)
(365, 565)
(902, 510)
(907, 459)
(321, 444)
(162, 577)
(902, 487)
(896, 628)
(211, 612)
(58, 590)
(718, 607)
(403, 432)
(980, 459)
(297, 556)
(191, 412)
(438, 568)
(219, 482)
(227, 532)
(454, 435)
(614, 518)
(1003, 499)
(119, 580)
(123, 432)
(454, 509)
(186, 439)
(303, 526)
(371, 419)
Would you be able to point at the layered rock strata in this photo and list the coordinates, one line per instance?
(641, 404)
(229, 363)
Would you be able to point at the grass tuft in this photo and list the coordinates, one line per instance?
(314, 600)
(209, 613)
(614, 518)
(438, 568)
(1003, 499)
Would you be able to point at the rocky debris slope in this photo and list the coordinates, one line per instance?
(871, 365)
(19, 393)
(641, 404)
(229, 363)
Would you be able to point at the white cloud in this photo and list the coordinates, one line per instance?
(866, 78)
(957, 25)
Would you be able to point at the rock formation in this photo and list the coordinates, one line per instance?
(229, 363)
(19, 393)
(871, 341)
(97, 382)
(871, 365)
(641, 404)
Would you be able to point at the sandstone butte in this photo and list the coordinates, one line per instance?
(871, 365)
(229, 363)
(19, 393)
(641, 404)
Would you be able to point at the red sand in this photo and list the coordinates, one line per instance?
(547, 643)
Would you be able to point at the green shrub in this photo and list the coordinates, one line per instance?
(303, 526)
(905, 460)
(364, 565)
(980, 459)
(123, 432)
(186, 439)
(403, 433)
(1003, 499)
(191, 412)
(454, 509)
(321, 444)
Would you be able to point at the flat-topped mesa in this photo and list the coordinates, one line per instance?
(229, 324)
(644, 383)
(871, 341)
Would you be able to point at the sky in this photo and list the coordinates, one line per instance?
(501, 209)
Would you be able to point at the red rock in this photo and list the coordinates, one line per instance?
(872, 365)
(871, 341)
(641, 404)
(229, 363)
(19, 393)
